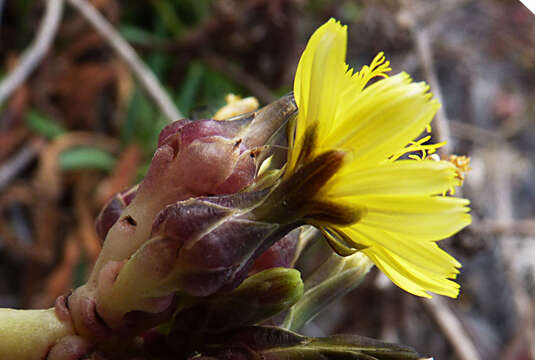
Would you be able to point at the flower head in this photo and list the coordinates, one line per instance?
(394, 207)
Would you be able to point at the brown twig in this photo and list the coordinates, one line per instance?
(128, 54)
(471, 132)
(420, 36)
(17, 163)
(451, 327)
(501, 181)
(61, 279)
(494, 227)
(11, 140)
(519, 338)
(423, 48)
(36, 51)
(15, 246)
(410, 17)
(48, 176)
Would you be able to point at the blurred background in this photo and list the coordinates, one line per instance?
(80, 116)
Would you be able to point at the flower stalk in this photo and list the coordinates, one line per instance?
(334, 278)
(30, 334)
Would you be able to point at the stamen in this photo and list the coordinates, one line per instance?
(462, 163)
(418, 145)
(462, 167)
(378, 68)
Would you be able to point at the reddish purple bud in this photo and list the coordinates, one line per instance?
(199, 249)
(208, 128)
(170, 130)
(111, 212)
(87, 321)
(71, 348)
(213, 154)
(281, 254)
(186, 219)
(215, 245)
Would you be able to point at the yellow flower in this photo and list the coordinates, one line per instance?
(399, 212)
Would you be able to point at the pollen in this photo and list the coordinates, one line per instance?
(462, 167)
(236, 106)
(462, 164)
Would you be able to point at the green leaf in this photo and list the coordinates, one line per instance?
(200, 9)
(331, 280)
(86, 158)
(138, 35)
(142, 125)
(138, 108)
(167, 14)
(215, 86)
(43, 125)
(272, 343)
(190, 88)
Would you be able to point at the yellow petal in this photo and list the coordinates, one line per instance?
(317, 82)
(354, 83)
(409, 277)
(426, 254)
(428, 218)
(372, 125)
(383, 118)
(405, 177)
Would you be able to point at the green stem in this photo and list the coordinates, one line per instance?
(29, 334)
(335, 278)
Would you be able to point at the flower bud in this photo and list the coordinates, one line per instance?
(205, 245)
(70, 348)
(193, 158)
(160, 242)
(280, 254)
(259, 297)
(197, 247)
(111, 212)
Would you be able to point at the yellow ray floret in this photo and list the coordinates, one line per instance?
(400, 213)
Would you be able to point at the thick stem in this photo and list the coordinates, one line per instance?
(30, 334)
(333, 279)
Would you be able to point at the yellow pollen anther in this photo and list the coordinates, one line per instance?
(236, 106)
(462, 163)
(462, 167)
